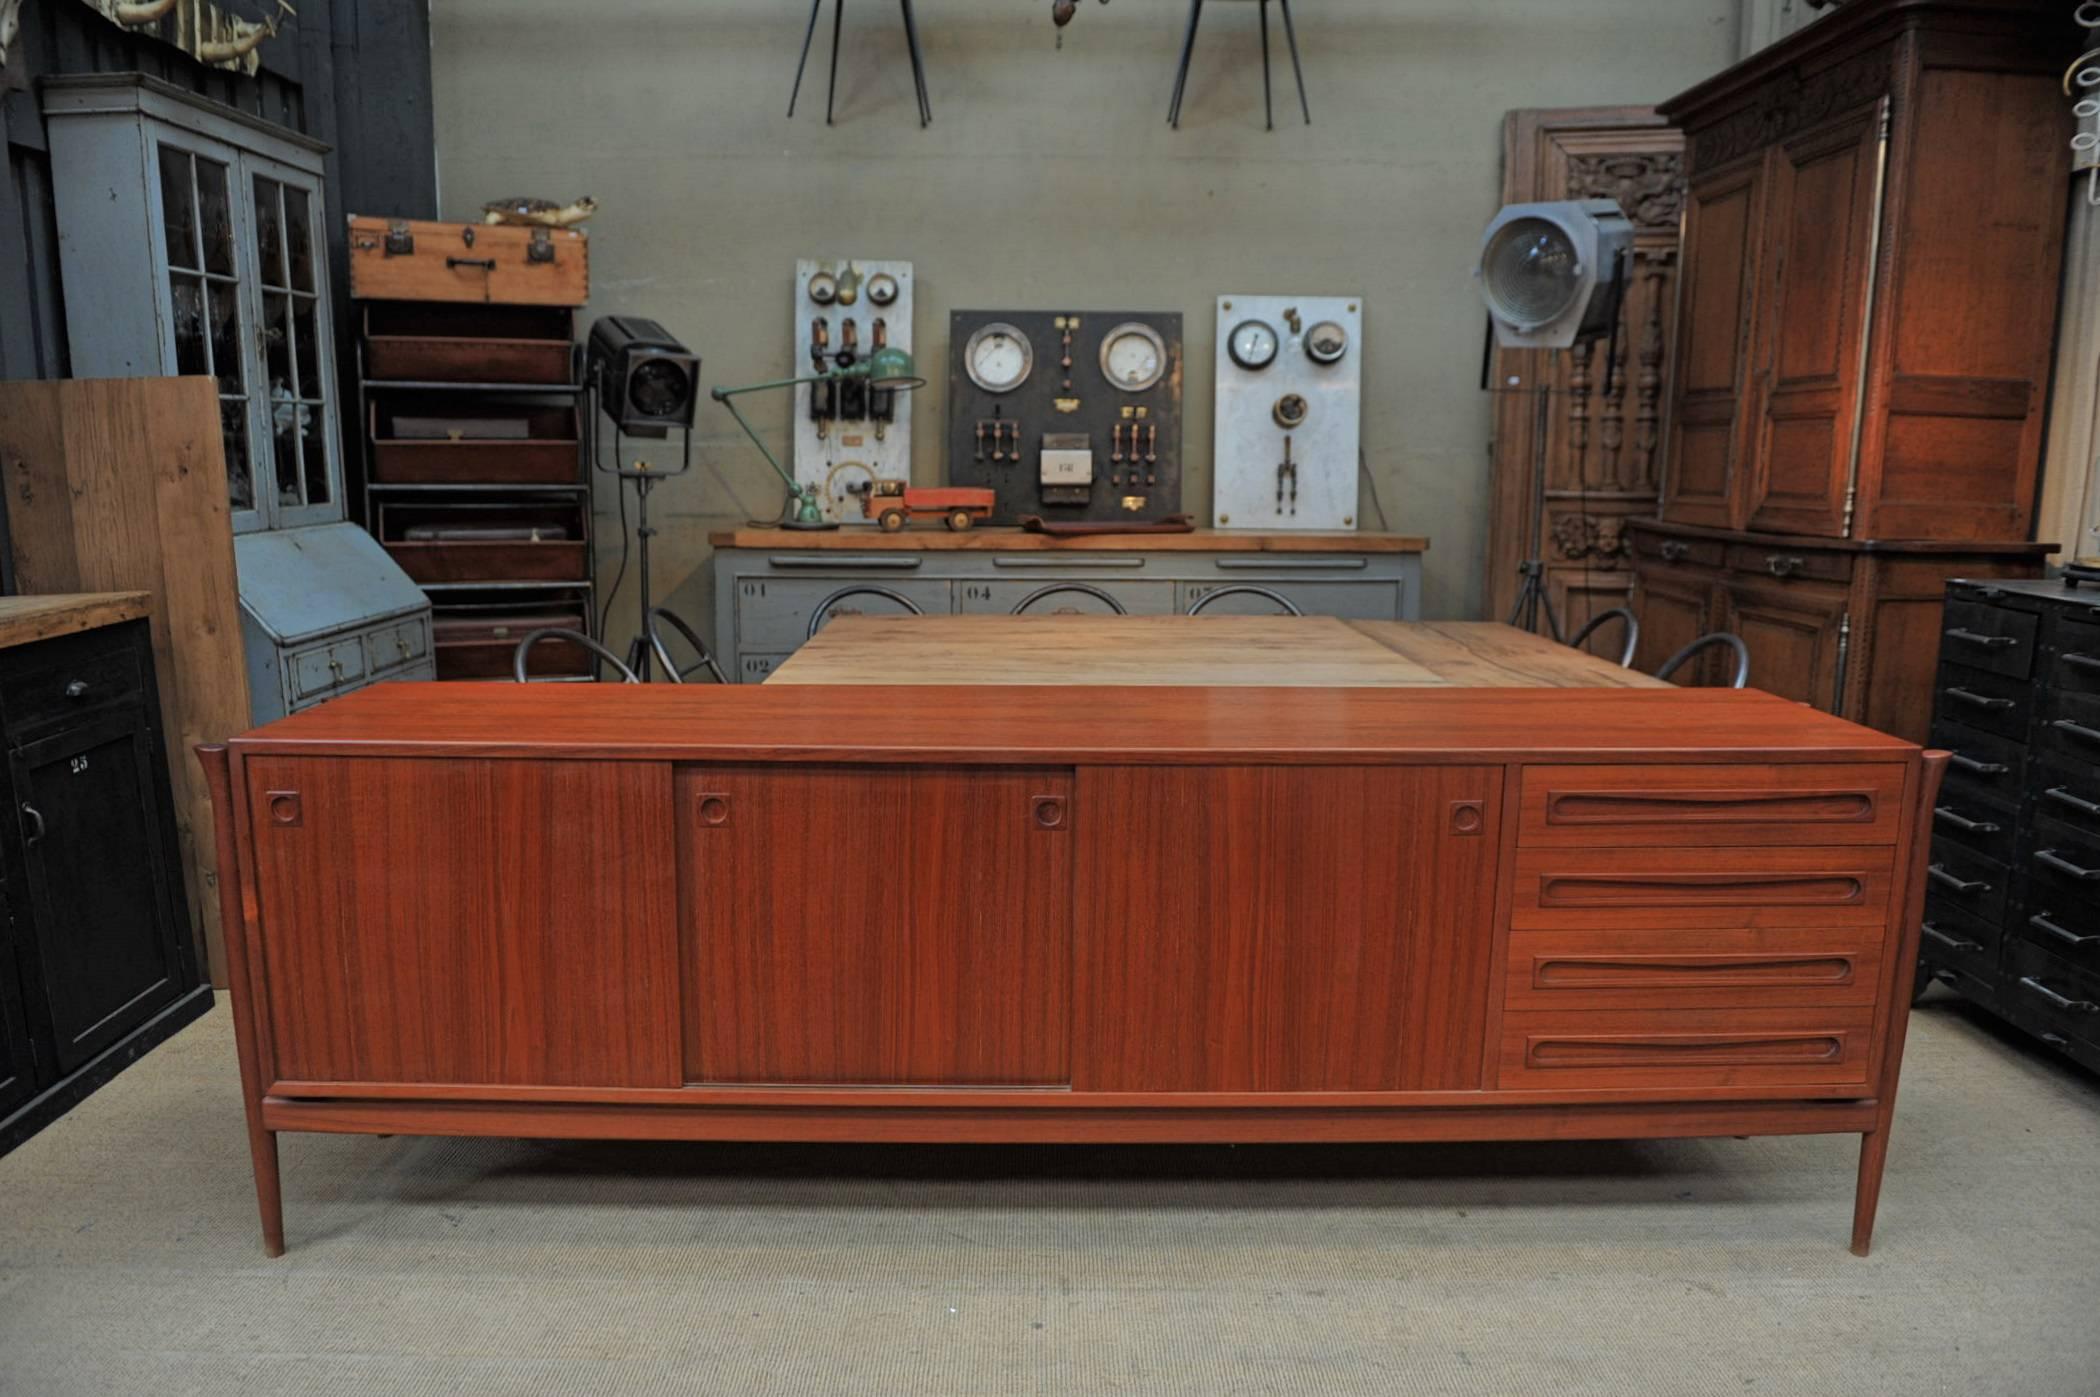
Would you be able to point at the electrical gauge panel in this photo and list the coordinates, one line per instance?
(1289, 412)
(1067, 414)
(848, 435)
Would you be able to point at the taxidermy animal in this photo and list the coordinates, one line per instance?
(539, 213)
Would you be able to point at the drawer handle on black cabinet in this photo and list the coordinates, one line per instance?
(1940, 875)
(1988, 642)
(78, 689)
(2077, 660)
(2069, 1006)
(2062, 796)
(2054, 1040)
(1969, 763)
(1954, 943)
(2078, 730)
(2063, 865)
(36, 817)
(1970, 696)
(2041, 921)
(1963, 822)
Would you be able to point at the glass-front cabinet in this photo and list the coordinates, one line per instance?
(191, 243)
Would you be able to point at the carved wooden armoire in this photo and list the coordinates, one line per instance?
(1872, 230)
(1603, 432)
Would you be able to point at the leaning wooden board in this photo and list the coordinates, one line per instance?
(1139, 914)
(394, 259)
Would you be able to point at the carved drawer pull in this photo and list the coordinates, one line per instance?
(1938, 873)
(1947, 814)
(2046, 922)
(1689, 1050)
(1718, 806)
(2069, 1006)
(1988, 642)
(1952, 943)
(1684, 972)
(1700, 889)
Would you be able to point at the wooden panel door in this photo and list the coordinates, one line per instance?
(1676, 608)
(938, 953)
(500, 922)
(1793, 633)
(1724, 213)
(105, 907)
(1821, 209)
(1602, 452)
(1283, 928)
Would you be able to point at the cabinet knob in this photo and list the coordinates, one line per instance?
(1674, 549)
(1784, 565)
(77, 689)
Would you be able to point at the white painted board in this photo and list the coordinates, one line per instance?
(842, 458)
(1250, 488)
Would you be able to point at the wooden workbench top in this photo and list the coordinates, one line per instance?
(1068, 725)
(24, 619)
(936, 540)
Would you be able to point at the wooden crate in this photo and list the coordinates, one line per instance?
(422, 342)
(412, 260)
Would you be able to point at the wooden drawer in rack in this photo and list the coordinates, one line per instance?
(1605, 806)
(1709, 969)
(496, 542)
(1626, 889)
(1666, 1049)
(414, 343)
(437, 440)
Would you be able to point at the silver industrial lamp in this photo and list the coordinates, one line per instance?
(1553, 275)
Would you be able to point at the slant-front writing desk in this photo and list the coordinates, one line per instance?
(1082, 914)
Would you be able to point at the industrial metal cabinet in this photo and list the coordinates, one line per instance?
(190, 243)
(96, 959)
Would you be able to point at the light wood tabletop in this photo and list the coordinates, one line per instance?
(1288, 651)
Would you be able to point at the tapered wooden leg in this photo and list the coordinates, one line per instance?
(1873, 1154)
(269, 1192)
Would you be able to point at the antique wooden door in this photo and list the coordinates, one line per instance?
(1708, 428)
(1602, 449)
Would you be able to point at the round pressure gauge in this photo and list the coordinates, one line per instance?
(998, 357)
(823, 288)
(1326, 342)
(1252, 344)
(1133, 356)
(882, 289)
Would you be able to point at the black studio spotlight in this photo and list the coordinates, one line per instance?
(644, 379)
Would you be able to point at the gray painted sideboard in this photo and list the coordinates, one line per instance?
(766, 585)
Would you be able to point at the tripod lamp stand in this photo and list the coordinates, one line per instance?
(888, 369)
(1553, 275)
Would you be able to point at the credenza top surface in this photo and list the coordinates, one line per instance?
(1069, 724)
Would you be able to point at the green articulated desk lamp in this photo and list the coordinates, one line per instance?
(887, 369)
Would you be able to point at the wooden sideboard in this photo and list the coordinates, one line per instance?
(1069, 914)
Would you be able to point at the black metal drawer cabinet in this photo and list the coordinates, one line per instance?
(97, 963)
(2012, 905)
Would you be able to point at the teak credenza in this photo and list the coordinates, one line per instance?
(740, 913)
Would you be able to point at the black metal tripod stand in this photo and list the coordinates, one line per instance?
(1188, 47)
(838, 14)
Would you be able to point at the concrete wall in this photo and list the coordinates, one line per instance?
(1049, 178)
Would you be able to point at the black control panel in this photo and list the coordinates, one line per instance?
(1071, 415)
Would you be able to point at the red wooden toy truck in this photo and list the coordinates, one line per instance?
(892, 503)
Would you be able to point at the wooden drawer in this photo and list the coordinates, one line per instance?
(410, 343)
(1696, 552)
(1983, 636)
(1981, 763)
(1625, 889)
(1967, 880)
(1766, 560)
(1678, 1049)
(1994, 702)
(1677, 969)
(61, 679)
(442, 441)
(485, 542)
(1601, 806)
(391, 647)
(320, 668)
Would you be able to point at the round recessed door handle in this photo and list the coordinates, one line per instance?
(1049, 812)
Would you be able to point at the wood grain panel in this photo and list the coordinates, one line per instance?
(858, 926)
(1661, 888)
(1693, 969)
(1280, 929)
(1718, 284)
(456, 920)
(1674, 1048)
(1679, 805)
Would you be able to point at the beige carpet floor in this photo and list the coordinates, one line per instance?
(129, 1261)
